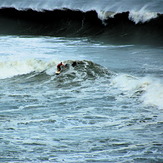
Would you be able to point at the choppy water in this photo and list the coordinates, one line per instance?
(106, 109)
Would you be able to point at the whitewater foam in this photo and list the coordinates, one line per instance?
(153, 94)
(19, 67)
(102, 15)
(142, 15)
(107, 5)
(148, 89)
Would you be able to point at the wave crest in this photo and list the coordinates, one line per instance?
(126, 27)
(142, 16)
(149, 90)
(20, 67)
(81, 70)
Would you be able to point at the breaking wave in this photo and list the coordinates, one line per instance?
(20, 67)
(84, 69)
(133, 26)
(147, 90)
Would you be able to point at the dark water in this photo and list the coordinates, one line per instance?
(128, 25)
(106, 108)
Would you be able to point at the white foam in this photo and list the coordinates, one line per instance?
(154, 94)
(84, 5)
(18, 67)
(151, 87)
(105, 15)
(142, 16)
(126, 82)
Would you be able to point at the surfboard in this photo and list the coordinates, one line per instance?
(57, 72)
(63, 69)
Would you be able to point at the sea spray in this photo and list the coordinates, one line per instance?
(142, 16)
(153, 94)
(148, 89)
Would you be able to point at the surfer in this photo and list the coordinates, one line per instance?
(59, 66)
(74, 64)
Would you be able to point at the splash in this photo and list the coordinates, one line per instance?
(153, 94)
(147, 89)
(142, 16)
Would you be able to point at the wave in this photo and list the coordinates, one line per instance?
(86, 5)
(84, 69)
(120, 27)
(148, 89)
(13, 68)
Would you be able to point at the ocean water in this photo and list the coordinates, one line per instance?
(106, 108)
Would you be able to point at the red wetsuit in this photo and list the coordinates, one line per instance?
(59, 66)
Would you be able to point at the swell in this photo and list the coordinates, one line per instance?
(35, 68)
(147, 90)
(110, 27)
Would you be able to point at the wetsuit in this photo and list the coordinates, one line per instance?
(59, 66)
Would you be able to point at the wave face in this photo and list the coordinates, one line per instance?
(83, 69)
(119, 22)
